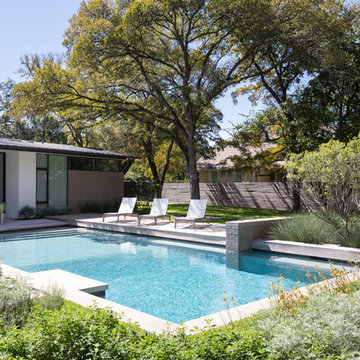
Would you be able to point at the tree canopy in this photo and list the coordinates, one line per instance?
(163, 62)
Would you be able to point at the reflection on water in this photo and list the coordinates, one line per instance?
(128, 248)
(262, 263)
(160, 253)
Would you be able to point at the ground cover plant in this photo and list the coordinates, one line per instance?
(325, 325)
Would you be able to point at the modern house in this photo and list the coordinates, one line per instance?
(220, 169)
(53, 175)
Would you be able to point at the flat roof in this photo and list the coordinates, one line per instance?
(60, 149)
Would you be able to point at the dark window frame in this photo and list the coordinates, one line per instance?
(47, 181)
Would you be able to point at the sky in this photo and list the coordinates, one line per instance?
(37, 27)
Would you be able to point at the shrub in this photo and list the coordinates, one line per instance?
(312, 229)
(307, 229)
(40, 213)
(27, 212)
(142, 207)
(16, 301)
(327, 328)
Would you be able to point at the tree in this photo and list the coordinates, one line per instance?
(159, 157)
(29, 127)
(164, 60)
(306, 37)
(330, 183)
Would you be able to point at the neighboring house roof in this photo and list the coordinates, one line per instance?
(60, 149)
(221, 159)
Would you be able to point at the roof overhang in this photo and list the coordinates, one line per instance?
(59, 149)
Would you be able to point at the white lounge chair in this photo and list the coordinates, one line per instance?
(158, 211)
(126, 208)
(196, 212)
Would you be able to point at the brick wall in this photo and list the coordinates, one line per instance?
(267, 195)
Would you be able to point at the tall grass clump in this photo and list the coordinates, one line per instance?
(307, 229)
(16, 301)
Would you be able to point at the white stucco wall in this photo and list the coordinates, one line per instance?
(20, 181)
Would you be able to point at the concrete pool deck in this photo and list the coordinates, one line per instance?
(15, 225)
(213, 234)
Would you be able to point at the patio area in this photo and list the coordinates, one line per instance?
(14, 225)
(213, 234)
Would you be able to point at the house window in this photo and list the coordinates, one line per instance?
(92, 164)
(281, 177)
(214, 178)
(51, 181)
(41, 186)
(41, 179)
(81, 163)
(106, 165)
(238, 176)
(229, 173)
(57, 173)
(2, 177)
(223, 173)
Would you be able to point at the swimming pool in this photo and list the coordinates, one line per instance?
(171, 280)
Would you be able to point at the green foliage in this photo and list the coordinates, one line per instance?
(330, 184)
(2, 207)
(306, 71)
(42, 212)
(222, 214)
(307, 229)
(98, 334)
(27, 212)
(16, 301)
(142, 207)
(326, 328)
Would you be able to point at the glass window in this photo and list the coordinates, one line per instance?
(57, 181)
(239, 176)
(41, 185)
(41, 161)
(2, 177)
(106, 165)
(81, 163)
(214, 176)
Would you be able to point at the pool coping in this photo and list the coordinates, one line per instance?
(76, 293)
(151, 323)
(320, 251)
(213, 234)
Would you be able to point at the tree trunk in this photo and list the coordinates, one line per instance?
(192, 170)
(158, 190)
(296, 196)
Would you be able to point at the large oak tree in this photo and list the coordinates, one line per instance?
(153, 59)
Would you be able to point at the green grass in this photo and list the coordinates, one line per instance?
(222, 214)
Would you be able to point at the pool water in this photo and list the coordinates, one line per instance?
(171, 280)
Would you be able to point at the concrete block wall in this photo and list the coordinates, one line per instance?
(241, 233)
(267, 195)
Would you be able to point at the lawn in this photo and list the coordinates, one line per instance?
(222, 214)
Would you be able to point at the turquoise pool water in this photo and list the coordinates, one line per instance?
(153, 275)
